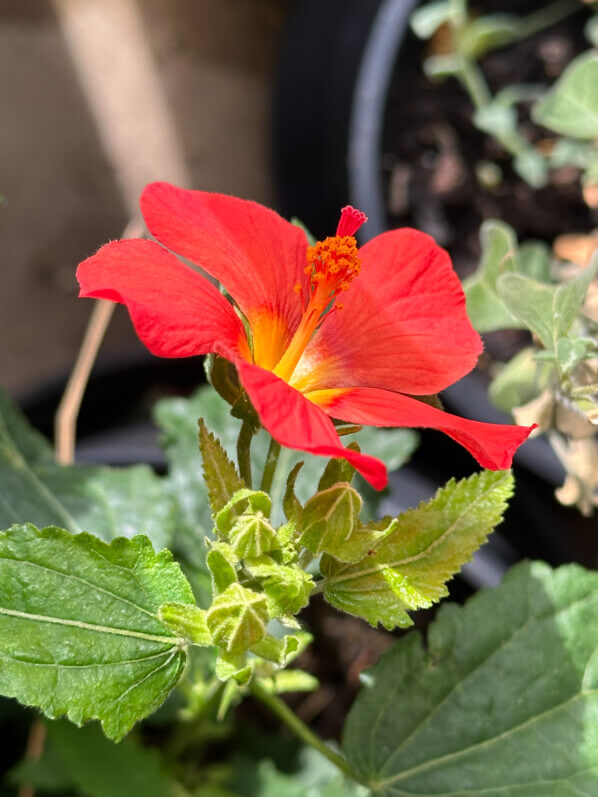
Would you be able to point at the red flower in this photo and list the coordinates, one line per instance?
(399, 329)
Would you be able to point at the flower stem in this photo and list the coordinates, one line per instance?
(270, 466)
(283, 712)
(244, 452)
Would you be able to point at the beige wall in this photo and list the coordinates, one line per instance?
(214, 61)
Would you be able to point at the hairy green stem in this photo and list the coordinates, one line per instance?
(244, 452)
(270, 466)
(283, 712)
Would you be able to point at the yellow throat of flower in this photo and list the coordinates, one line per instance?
(332, 265)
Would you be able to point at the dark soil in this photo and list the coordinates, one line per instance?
(431, 148)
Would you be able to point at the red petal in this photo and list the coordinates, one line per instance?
(257, 255)
(403, 325)
(297, 423)
(176, 312)
(492, 444)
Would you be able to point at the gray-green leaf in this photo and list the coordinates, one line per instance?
(502, 701)
(79, 629)
(571, 106)
(499, 256)
(110, 502)
(546, 310)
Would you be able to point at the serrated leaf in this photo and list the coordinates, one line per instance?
(486, 310)
(519, 381)
(503, 699)
(410, 567)
(79, 629)
(330, 518)
(237, 619)
(82, 760)
(571, 106)
(546, 310)
(109, 502)
(220, 474)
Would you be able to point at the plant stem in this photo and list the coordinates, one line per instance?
(545, 17)
(244, 452)
(283, 712)
(270, 466)
(474, 83)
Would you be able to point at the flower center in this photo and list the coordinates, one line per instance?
(332, 265)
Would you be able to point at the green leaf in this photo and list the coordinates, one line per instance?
(187, 621)
(330, 518)
(534, 260)
(243, 500)
(496, 118)
(222, 562)
(426, 20)
(489, 33)
(338, 470)
(571, 106)
(499, 256)
(232, 666)
(287, 587)
(409, 568)
(520, 380)
(80, 633)
(220, 474)
(177, 418)
(503, 699)
(84, 761)
(569, 353)
(282, 651)
(546, 310)
(110, 502)
(289, 681)
(292, 507)
(252, 535)
(237, 618)
(532, 166)
(313, 776)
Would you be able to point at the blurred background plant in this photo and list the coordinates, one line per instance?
(550, 292)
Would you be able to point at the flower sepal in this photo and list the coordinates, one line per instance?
(223, 377)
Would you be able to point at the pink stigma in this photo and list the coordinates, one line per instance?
(350, 221)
